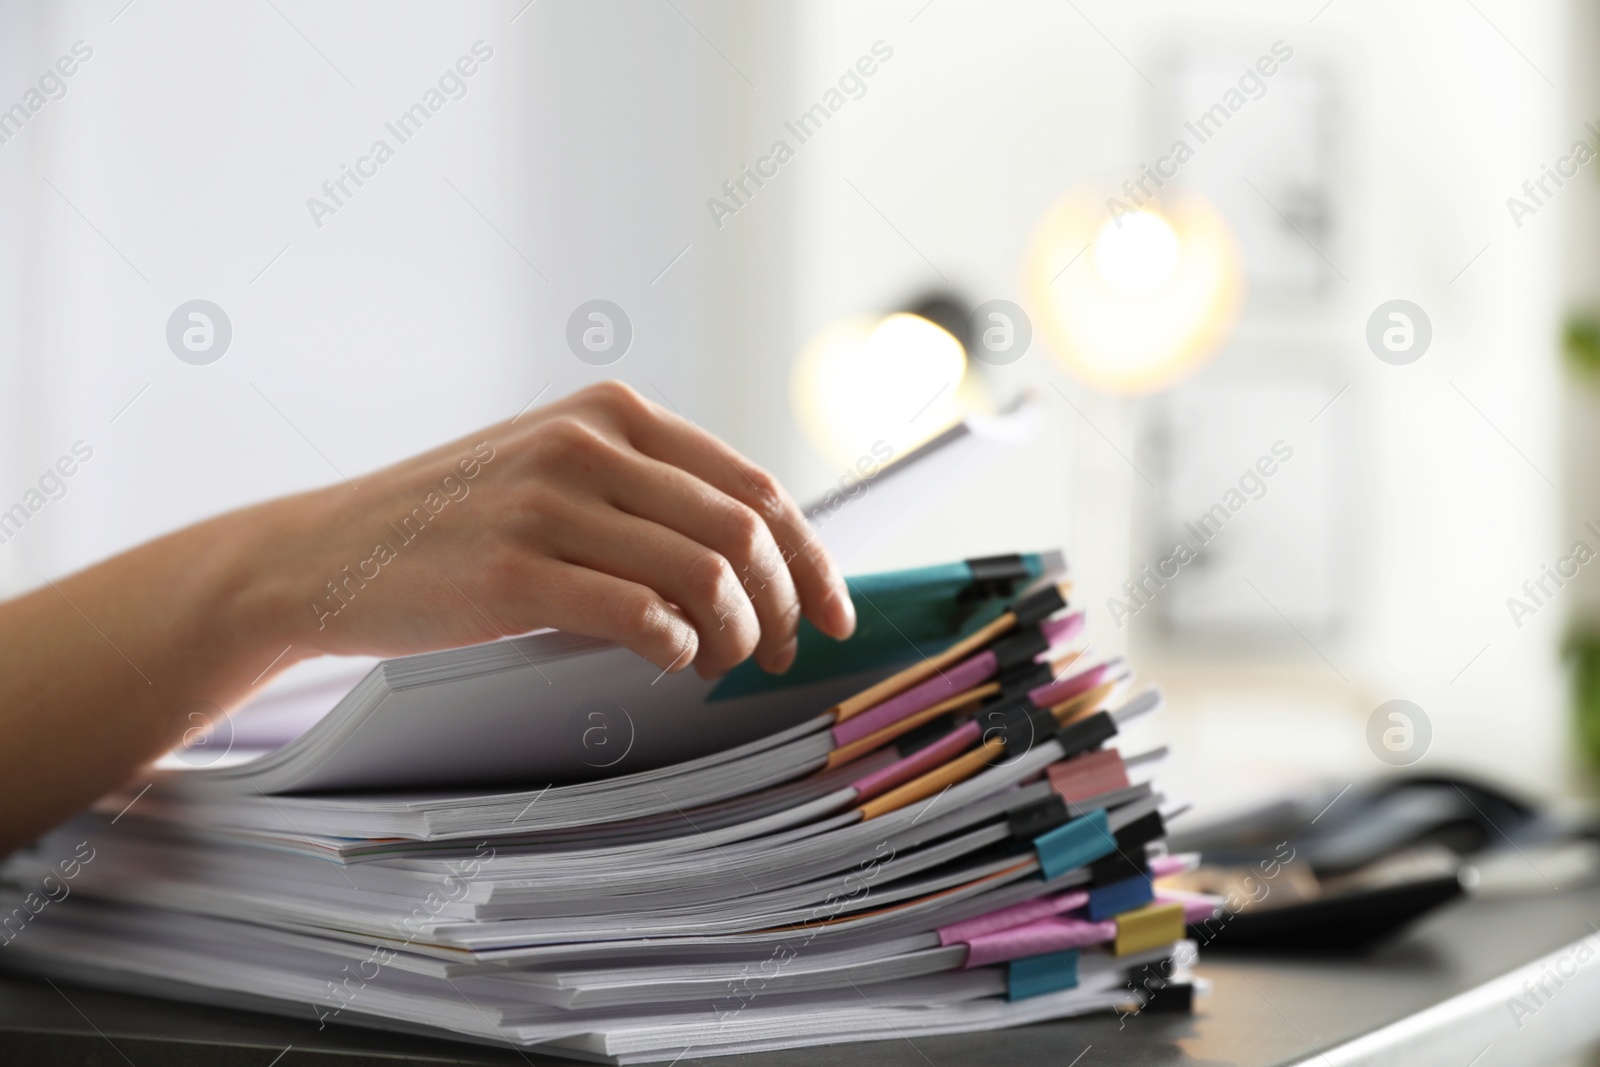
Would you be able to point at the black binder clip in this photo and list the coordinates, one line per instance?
(1086, 735)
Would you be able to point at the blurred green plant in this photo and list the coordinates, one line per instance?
(1581, 345)
(1580, 339)
(1582, 650)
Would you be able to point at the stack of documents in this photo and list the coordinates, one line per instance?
(544, 842)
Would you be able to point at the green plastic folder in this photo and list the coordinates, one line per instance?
(901, 616)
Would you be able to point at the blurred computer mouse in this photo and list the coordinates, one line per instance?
(1338, 831)
(1377, 856)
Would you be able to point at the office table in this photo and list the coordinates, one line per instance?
(1438, 994)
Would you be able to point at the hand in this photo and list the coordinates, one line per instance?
(602, 514)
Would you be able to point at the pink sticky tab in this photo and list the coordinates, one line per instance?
(1088, 775)
(1197, 907)
(1016, 915)
(1058, 631)
(963, 676)
(1173, 863)
(1056, 692)
(918, 763)
(1036, 938)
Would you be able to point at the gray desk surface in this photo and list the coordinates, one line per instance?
(1421, 999)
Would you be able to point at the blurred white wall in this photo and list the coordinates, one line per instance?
(578, 166)
(179, 165)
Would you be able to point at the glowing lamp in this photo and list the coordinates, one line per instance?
(1130, 301)
(895, 379)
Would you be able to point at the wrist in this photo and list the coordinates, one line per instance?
(254, 596)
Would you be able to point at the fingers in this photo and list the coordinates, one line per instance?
(675, 440)
(691, 575)
(670, 497)
(585, 601)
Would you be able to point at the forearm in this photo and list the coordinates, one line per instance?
(100, 670)
(105, 670)
(601, 514)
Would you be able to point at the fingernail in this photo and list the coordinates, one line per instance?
(785, 657)
(844, 613)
